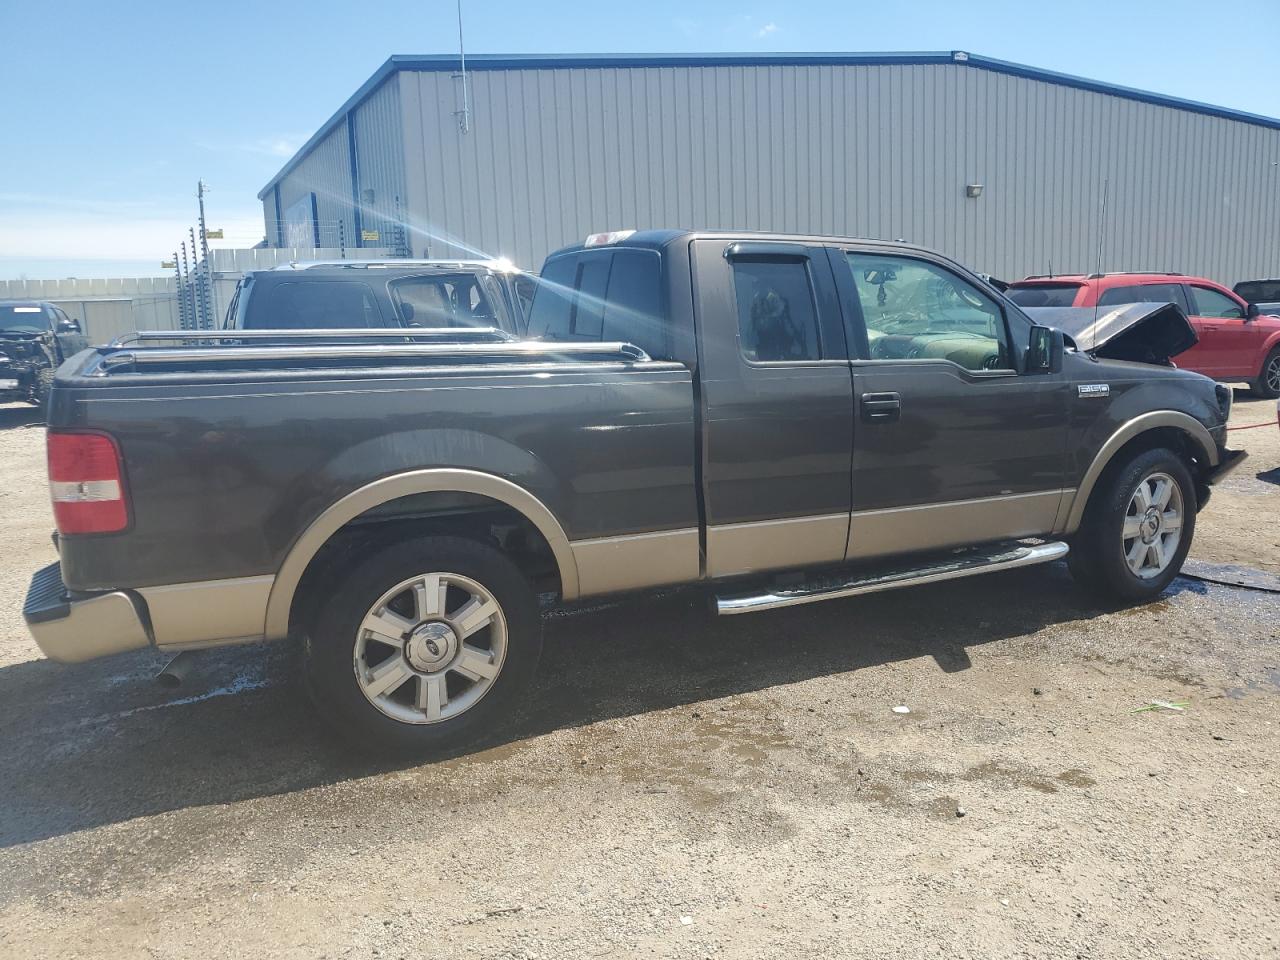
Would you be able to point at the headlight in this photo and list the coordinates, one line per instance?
(1225, 395)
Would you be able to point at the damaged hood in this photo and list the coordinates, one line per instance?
(1142, 332)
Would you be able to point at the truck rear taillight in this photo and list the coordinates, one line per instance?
(86, 482)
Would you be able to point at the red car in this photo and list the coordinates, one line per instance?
(1237, 343)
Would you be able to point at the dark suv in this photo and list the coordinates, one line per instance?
(349, 294)
(35, 337)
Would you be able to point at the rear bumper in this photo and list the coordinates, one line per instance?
(72, 630)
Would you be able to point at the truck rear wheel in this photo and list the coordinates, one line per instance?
(1137, 528)
(1268, 382)
(424, 647)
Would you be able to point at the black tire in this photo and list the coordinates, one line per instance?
(1268, 383)
(40, 391)
(1097, 558)
(331, 643)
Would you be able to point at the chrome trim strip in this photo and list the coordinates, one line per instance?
(738, 548)
(406, 333)
(613, 564)
(954, 523)
(1131, 429)
(1041, 553)
(207, 612)
(402, 485)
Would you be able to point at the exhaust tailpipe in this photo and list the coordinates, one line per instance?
(176, 670)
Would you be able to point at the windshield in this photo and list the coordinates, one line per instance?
(23, 318)
(1044, 294)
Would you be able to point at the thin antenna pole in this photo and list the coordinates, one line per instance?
(464, 115)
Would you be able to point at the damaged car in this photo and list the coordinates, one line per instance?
(35, 337)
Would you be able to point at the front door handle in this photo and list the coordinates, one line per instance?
(881, 407)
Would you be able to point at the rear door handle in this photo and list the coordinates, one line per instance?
(881, 407)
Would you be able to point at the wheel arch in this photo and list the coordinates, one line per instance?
(1133, 433)
(398, 486)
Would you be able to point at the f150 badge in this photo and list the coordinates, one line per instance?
(1094, 389)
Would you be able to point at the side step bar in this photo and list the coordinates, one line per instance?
(965, 563)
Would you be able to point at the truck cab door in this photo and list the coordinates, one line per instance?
(777, 406)
(955, 442)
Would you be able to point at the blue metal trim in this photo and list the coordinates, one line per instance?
(493, 61)
(356, 220)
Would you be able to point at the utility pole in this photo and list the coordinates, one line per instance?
(199, 301)
(182, 303)
(189, 291)
(207, 288)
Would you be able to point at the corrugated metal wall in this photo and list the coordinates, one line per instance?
(326, 172)
(379, 130)
(879, 151)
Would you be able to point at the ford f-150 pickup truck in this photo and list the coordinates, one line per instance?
(787, 419)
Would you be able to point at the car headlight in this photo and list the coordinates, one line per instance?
(1225, 395)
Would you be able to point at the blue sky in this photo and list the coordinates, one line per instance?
(114, 110)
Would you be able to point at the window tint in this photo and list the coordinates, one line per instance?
(602, 295)
(1142, 293)
(918, 310)
(442, 301)
(317, 305)
(777, 319)
(586, 316)
(1044, 294)
(1211, 303)
(1259, 291)
(633, 306)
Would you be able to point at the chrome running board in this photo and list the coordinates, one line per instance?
(961, 563)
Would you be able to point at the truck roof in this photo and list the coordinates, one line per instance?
(658, 239)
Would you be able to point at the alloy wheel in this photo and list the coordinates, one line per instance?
(1152, 525)
(430, 648)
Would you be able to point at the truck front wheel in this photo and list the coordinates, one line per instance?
(424, 647)
(1137, 528)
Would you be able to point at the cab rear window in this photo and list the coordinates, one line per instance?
(1044, 294)
(602, 295)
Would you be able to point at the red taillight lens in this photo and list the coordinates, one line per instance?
(86, 483)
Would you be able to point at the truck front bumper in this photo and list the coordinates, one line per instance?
(1230, 460)
(72, 630)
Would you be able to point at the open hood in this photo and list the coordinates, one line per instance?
(1144, 332)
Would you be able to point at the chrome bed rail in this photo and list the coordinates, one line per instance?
(468, 334)
(505, 350)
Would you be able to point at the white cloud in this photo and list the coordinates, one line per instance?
(767, 29)
(112, 235)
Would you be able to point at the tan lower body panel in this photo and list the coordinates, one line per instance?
(613, 564)
(737, 548)
(208, 613)
(874, 533)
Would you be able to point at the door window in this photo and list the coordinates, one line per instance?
(1211, 303)
(915, 310)
(777, 317)
(442, 301)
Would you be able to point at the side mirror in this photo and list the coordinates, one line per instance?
(68, 326)
(1044, 350)
(1251, 310)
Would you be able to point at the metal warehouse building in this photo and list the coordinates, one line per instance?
(1003, 166)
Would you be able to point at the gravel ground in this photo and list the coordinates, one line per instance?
(682, 786)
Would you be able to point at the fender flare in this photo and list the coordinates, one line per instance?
(1133, 428)
(402, 485)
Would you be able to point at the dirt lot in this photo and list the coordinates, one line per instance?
(683, 786)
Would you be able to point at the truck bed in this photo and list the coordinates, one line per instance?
(230, 451)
